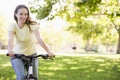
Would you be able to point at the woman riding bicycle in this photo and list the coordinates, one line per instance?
(23, 30)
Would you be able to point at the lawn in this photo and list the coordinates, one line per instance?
(70, 68)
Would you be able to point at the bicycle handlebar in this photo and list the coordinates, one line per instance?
(44, 56)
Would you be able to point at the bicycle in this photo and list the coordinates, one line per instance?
(28, 60)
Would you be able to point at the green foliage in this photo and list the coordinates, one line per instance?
(87, 29)
(96, 8)
(87, 7)
(78, 13)
(42, 11)
(110, 8)
(108, 34)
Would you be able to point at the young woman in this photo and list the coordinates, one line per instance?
(23, 30)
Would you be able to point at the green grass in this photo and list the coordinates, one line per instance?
(69, 68)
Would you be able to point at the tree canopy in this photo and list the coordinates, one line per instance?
(93, 19)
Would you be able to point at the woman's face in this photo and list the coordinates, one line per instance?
(22, 15)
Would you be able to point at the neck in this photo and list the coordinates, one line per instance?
(20, 25)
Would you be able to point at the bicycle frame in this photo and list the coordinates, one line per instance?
(29, 75)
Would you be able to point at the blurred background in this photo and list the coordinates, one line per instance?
(77, 26)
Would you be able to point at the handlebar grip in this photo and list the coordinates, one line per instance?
(7, 54)
(53, 55)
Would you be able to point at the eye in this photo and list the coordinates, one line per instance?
(21, 13)
(26, 14)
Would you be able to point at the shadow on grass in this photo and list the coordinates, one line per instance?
(80, 68)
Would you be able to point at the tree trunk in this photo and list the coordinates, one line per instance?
(118, 48)
(87, 47)
(118, 30)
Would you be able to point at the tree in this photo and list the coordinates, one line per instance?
(96, 8)
(112, 10)
(86, 17)
(78, 13)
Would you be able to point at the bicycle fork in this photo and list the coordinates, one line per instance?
(30, 75)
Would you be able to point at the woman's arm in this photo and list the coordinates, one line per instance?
(42, 43)
(10, 43)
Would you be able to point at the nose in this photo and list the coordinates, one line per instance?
(24, 16)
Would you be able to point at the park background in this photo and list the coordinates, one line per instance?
(83, 34)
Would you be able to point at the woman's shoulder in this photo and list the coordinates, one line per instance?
(12, 26)
(34, 26)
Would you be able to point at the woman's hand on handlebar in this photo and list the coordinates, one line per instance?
(11, 53)
(50, 54)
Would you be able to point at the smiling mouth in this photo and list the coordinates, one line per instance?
(23, 19)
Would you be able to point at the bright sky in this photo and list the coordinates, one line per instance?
(7, 7)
